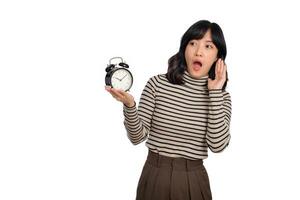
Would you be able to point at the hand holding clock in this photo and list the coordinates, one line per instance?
(121, 96)
(118, 81)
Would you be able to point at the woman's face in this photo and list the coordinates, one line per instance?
(200, 55)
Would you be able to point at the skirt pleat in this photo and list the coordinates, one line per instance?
(162, 184)
(180, 185)
(145, 188)
(166, 178)
(194, 185)
(143, 182)
(203, 183)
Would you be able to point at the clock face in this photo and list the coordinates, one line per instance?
(121, 79)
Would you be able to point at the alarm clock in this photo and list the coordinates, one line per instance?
(118, 76)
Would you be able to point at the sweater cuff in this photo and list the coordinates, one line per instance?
(215, 90)
(130, 108)
(215, 93)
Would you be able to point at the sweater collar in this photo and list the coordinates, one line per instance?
(193, 82)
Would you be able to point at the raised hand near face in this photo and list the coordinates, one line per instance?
(220, 77)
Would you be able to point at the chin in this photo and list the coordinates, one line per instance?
(196, 75)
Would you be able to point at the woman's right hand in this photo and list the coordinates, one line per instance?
(121, 96)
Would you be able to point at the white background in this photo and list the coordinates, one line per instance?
(62, 135)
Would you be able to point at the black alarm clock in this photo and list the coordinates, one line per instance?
(118, 76)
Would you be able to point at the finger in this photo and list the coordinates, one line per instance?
(117, 97)
(220, 65)
(112, 94)
(111, 91)
(221, 68)
(122, 92)
(107, 88)
(222, 75)
(225, 70)
(117, 93)
(217, 67)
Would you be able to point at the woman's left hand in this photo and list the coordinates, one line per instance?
(220, 77)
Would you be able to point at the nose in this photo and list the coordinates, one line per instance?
(199, 51)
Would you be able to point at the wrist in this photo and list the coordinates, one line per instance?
(130, 105)
(215, 89)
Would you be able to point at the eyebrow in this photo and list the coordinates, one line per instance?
(206, 41)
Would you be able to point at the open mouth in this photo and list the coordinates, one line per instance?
(197, 65)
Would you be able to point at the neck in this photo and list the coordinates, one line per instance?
(197, 83)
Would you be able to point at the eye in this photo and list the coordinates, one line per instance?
(209, 46)
(192, 43)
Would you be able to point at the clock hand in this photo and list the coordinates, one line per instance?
(117, 78)
(123, 77)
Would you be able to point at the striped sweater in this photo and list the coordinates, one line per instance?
(180, 120)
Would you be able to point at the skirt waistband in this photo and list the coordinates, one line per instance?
(158, 160)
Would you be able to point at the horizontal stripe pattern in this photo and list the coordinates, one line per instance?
(180, 120)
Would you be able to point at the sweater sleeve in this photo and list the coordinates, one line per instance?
(137, 121)
(219, 115)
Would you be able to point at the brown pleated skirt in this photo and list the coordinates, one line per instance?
(167, 178)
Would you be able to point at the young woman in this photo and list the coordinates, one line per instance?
(181, 114)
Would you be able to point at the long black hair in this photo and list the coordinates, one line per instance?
(177, 63)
